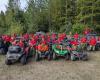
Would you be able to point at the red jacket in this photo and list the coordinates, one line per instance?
(32, 42)
(14, 43)
(26, 36)
(8, 39)
(75, 43)
(93, 41)
(76, 36)
(98, 38)
(21, 44)
(53, 36)
(83, 40)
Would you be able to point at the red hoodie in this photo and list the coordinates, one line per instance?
(76, 36)
(32, 42)
(26, 36)
(8, 38)
(21, 44)
(75, 43)
(83, 40)
(93, 41)
(53, 36)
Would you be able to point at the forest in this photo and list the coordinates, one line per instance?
(50, 16)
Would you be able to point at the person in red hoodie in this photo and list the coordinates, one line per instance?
(92, 43)
(83, 41)
(76, 36)
(53, 36)
(99, 38)
(21, 44)
(26, 36)
(7, 40)
(74, 44)
(48, 38)
(14, 43)
(86, 31)
(60, 38)
(32, 43)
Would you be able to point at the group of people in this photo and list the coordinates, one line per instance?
(35, 39)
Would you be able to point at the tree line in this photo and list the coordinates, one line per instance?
(50, 16)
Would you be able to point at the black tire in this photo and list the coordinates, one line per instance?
(37, 57)
(85, 57)
(67, 57)
(23, 60)
(2, 51)
(49, 57)
(88, 48)
(8, 62)
(54, 56)
(98, 47)
(73, 57)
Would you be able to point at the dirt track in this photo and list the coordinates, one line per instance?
(53, 70)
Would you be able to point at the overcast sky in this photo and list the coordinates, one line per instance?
(3, 3)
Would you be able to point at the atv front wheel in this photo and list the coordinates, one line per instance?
(54, 56)
(88, 48)
(49, 57)
(8, 62)
(73, 57)
(85, 57)
(67, 57)
(23, 60)
(37, 57)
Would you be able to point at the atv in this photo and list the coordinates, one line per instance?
(78, 55)
(16, 54)
(60, 50)
(46, 53)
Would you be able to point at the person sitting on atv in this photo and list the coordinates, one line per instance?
(42, 44)
(54, 38)
(7, 41)
(76, 36)
(36, 37)
(83, 41)
(32, 43)
(26, 36)
(13, 37)
(99, 38)
(92, 42)
(60, 38)
(86, 31)
(48, 37)
(31, 35)
(14, 42)
(74, 44)
(21, 44)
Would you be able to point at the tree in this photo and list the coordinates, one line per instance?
(88, 10)
(3, 26)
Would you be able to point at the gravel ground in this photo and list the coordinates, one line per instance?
(53, 70)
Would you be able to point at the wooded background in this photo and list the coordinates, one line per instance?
(50, 16)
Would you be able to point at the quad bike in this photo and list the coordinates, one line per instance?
(59, 50)
(45, 51)
(78, 55)
(15, 54)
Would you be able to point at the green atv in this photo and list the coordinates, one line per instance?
(63, 52)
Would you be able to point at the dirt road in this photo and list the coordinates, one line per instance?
(53, 70)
